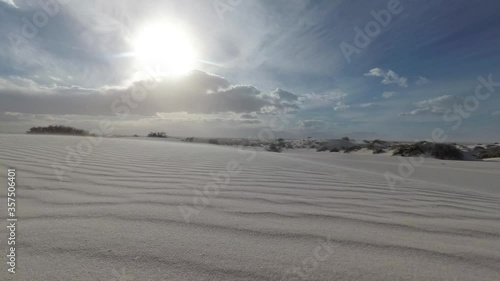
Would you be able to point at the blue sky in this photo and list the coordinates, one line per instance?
(256, 60)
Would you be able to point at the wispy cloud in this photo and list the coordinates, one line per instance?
(437, 105)
(366, 105)
(389, 77)
(391, 94)
(340, 106)
(312, 124)
(10, 2)
(422, 80)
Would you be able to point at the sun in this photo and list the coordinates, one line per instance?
(166, 47)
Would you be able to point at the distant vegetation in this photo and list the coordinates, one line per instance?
(491, 151)
(213, 141)
(59, 130)
(157, 135)
(277, 146)
(352, 148)
(437, 150)
(322, 148)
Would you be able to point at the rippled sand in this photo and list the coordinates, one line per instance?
(289, 216)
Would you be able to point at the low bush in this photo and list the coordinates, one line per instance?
(277, 146)
(352, 148)
(437, 150)
(157, 135)
(213, 141)
(60, 130)
(273, 147)
(489, 152)
(321, 149)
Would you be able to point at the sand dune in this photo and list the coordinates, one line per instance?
(290, 216)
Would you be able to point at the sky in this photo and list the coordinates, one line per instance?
(381, 69)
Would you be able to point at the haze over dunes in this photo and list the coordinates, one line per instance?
(118, 214)
(379, 69)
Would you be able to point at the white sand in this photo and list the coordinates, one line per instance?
(117, 216)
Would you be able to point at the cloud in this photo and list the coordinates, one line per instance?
(438, 105)
(10, 2)
(227, 117)
(366, 105)
(20, 84)
(387, 95)
(284, 95)
(340, 106)
(422, 80)
(252, 115)
(313, 100)
(287, 100)
(196, 93)
(312, 124)
(389, 77)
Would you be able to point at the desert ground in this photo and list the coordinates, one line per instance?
(142, 209)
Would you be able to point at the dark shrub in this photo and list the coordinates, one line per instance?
(213, 141)
(321, 149)
(489, 152)
(277, 146)
(437, 150)
(60, 130)
(352, 148)
(273, 147)
(378, 151)
(447, 152)
(345, 139)
(157, 135)
(334, 150)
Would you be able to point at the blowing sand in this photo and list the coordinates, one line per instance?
(290, 216)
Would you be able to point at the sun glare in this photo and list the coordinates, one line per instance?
(167, 48)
